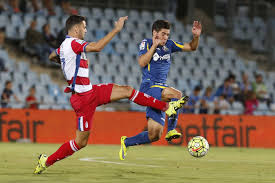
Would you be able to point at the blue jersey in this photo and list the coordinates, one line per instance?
(158, 67)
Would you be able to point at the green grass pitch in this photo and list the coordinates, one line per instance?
(143, 164)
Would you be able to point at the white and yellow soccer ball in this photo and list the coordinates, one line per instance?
(198, 146)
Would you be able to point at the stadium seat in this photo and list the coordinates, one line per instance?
(135, 107)
(170, 17)
(84, 11)
(92, 23)
(110, 14)
(97, 13)
(262, 106)
(11, 32)
(16, 20)
(133, 48)
(237, 106)
(146, 16)
(120, 47)
(130, 27)
(58, 11)
(44, 106)
(125, 37)
(41, 20)
(220, 21)
(3, 19)
(158, 15)
(259, 113)
(105, 25)
(121, 13)
(134, 15)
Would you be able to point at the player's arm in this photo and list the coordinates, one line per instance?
(98, 46)
(5, 97)
(144, 59)
(54, 57)
(196, 31)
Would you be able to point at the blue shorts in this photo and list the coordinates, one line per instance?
(154, 89)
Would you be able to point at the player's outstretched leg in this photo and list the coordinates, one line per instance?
(120, 92)
(143, 137)
(67, 149)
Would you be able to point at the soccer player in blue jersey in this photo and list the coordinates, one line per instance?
(155, 60)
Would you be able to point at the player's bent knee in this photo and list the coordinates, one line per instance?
(128, 90)
(154, 136)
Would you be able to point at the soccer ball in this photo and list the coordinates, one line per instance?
(198, 146)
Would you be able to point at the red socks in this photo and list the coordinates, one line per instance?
(67, 149)
(146, 100)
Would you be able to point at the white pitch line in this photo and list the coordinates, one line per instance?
(239, 161)
(113, 162)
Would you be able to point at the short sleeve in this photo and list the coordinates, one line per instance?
(57, 51)
(143, 47)
(79, 46)
(176, 46)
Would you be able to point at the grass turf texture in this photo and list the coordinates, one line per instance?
(143, 164)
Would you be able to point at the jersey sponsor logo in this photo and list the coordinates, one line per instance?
(156, 57)
(142, 45)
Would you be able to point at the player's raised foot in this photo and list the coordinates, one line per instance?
(172, 134)
(183, 100)
(41, 165)
(123, 148)
(175, 105)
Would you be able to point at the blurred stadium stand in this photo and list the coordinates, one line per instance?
(208, 66)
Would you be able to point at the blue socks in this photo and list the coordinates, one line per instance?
(173, 120)
(141, 138)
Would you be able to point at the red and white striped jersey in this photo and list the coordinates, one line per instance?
(74, 64)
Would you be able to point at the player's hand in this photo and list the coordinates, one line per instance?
(196, 30)
(156, 40)
(119, 24)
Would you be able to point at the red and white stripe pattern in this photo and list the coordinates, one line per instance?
(134, 96)
(73, 145)
(81, 126)
(74, 64)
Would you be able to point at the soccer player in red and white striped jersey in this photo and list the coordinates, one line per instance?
(85, 97)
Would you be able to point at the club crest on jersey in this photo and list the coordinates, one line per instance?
(165, 48)
(79, 41)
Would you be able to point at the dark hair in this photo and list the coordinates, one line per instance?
(227, 79)
(258, 75)
(197, 88)
(232, 76)
(2, 30)
(7, 82)
(74, 20)
(160, 24)
(44, 27)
